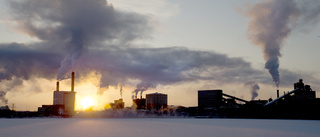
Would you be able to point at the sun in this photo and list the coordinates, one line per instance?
(87, 103)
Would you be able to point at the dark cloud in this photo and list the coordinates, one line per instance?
(165, 66)
(77, 25)
(120, 65)
(21, 61)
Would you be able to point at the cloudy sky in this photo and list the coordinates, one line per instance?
(246, 48)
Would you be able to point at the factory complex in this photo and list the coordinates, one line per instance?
(300, 103)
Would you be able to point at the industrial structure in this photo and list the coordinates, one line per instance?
(66, 98)
(298, 103)
(139, 103)
(156, 101)
(215, 98)
(63, 102)
(118, 104)
(301, 94)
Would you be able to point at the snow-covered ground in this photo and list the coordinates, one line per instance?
(157, 127)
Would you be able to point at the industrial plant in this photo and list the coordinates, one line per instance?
(63, 102)
(300, 103)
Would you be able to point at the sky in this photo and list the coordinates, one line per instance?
(248, 49)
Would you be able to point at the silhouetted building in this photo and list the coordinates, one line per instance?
(156, 101)
(51, 110)
(301, 94)
(139, 103)
(65, 98)
(118, 104)
(4, 108)
(210, 98)
(6, 112)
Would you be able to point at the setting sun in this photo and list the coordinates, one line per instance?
(87, 102)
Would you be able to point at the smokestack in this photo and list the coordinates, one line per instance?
(57, 86)
(72, 82)
(278, 93)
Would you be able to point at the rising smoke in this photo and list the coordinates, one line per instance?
(272, 21)
(120, 90)
(3, 97)
(254, 89)
(143, 86)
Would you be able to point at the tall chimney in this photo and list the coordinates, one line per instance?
(57, 86)
(72, 82)
(278, 93)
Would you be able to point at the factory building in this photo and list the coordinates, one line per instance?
(66, 98)
(156, 101)
(51, 110)
(209, 98)
(216, 99)
(118, 104)
(139, 103)
(300, 103)
(302, 94)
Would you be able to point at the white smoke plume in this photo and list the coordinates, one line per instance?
(3, 97)
(120, 90)
(272, 21)
(269, 27)
(254, 89)
(143, 86)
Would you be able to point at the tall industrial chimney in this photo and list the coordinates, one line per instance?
(278, 93)
(72, 82)
(57, 86)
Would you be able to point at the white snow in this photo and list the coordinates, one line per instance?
(157, 127)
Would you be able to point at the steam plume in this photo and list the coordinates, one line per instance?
(254, 89)
(272, 21)
(120, 90)
(3, 97)
(143, 86)
(268, 28)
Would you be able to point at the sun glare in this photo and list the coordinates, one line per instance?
(87, 103)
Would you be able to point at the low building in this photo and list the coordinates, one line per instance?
(156, 101)
(118, 104)
(65, 98)
(51, 110)
(210, 98)
(139, 103)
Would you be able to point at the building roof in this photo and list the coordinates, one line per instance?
(156, 94)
